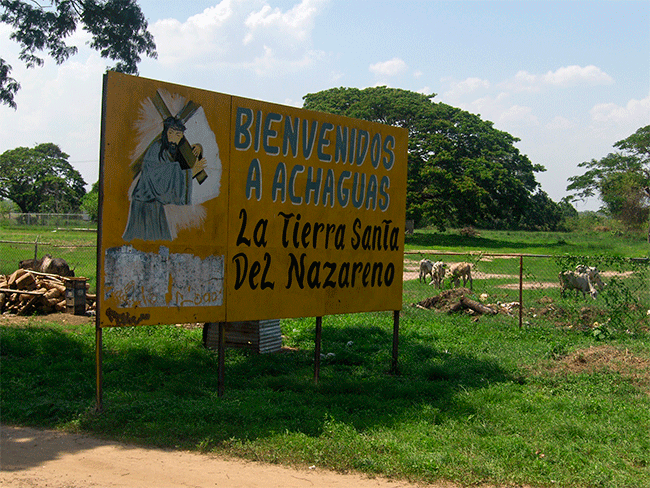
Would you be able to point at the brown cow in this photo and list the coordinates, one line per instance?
(47, 264)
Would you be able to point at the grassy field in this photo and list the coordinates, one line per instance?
(477, 399)
(77, 247)
(589, 243)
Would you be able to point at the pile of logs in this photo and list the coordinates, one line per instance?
(456, 300)
(27, 292)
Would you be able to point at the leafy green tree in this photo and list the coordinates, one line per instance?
(90, 202)
(545, 214)
(118, 28)
(40, 179)
(461, 170)
(620, 180)
(638, 144)
(6, 207)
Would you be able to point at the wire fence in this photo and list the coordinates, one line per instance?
(81, 220)
(503, 281)
(80, 256)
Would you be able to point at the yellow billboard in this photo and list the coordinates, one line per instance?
(220, 208)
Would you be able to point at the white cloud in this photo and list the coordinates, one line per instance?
(240, 33)
(560, 123)
(523, 81)
(518, 115)
(391, 67)
(635, 112)
(200, 35)
(577, 75)
(292, 27)
(563, 77)
(336, 76)
(270, 63)
(466, 87)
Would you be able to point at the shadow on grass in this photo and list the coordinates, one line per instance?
(164, 391)
(47, 381)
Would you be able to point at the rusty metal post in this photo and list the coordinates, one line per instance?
(99, 357)
(393, 368)
(319, 329)
(521, 290)
(221, 360)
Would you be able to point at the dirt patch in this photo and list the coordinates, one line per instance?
(60, 318)
(35, 458)
(606, 358)
(527, 285)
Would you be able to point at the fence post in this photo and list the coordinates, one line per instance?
(36, 248)
(521, 290)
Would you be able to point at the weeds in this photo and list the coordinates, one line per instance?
(476, 402)
(558, 402)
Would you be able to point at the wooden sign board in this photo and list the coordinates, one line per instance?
(220, 208)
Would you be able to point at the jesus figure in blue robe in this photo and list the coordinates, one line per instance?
(161, 182)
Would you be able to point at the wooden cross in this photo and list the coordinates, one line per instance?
(187, 158)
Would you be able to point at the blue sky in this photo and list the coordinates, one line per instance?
(568, 78)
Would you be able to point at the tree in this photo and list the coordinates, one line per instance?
(90, 202)
(40, 179)
(6, 207)
(118, 28)
(621, 180)
(461, 170)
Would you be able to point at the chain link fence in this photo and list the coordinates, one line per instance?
(66, 220)
(72, 237)
(80, 256)
(502, 281)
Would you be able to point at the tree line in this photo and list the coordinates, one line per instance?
(464, 172)
(42, 180)
(461, 170)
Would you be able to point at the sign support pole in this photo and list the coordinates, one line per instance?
(319, 327)
(393, 368)
(221, 348)
(98, 366)
(521, 290)
(99, 353)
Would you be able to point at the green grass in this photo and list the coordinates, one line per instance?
(477, 400)
(555, 243)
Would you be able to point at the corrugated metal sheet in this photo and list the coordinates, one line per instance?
(261, 336)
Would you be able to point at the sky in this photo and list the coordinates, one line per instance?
(567, 78)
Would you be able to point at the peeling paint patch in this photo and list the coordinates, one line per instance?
(144, 279)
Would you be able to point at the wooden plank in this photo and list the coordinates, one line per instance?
(22, 292)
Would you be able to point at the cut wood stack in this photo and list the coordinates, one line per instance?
(27, 292)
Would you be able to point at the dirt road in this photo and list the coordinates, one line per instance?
(31, 458)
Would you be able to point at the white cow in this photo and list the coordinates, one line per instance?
(438, 274)
(594, 275)
(580, 282)
(457, 271)
(426, 268)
